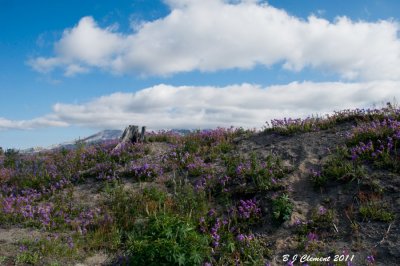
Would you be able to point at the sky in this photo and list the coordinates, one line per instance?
(69, 69)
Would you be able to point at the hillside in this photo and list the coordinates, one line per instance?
(326, 188)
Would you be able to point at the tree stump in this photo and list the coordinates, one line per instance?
(142, 139)
(131, 135)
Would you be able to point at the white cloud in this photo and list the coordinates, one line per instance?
(72, 70)
(247, 105)
(89, 43)
(211, 35)
(40, 122)
(85, 45)
(44, 65)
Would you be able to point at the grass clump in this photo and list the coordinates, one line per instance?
(377, 211)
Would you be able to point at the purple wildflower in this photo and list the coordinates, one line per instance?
(322, 210)
(211, 213)
(240, 238)
(370, 259)
(312, 237)
(248, 209)
(70, 242)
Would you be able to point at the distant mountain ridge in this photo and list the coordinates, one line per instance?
(108, 134)
(104, 135)
(101, 136)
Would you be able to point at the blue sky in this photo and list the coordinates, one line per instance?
(71, 68)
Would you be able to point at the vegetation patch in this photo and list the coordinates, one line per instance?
(213, 197)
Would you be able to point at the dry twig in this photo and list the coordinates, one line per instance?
(385, 236)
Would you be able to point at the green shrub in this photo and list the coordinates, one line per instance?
(190, 201)
(167, 240)
(282, 208)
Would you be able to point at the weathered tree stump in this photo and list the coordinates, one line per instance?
(142, 139)
(131, 135)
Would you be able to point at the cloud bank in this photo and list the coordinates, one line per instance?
(248, 105)
(212, 35)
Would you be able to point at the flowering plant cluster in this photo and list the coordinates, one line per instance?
(206, 201)
(248, 209)
(316, 177)
(145, 172)
(227, 236)
(290, 125)
(38, 190)
(255, 174)
(87, 219)
(377, 141)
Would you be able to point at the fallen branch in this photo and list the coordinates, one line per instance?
(385, 236)
(337, 231)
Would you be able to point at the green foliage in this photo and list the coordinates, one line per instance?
(372, 131)
(375, 186)
(51, 247)
(106, 237)
(11, 157)
(231, 162)
(248, 252)
(34, 181)
(282, 208)
(127, 205)
(318, 179)
(322, 219)
(189, 201)
(253, 252)
(122, 203)
(27, 257)
(377, 142)
(377, 211)
(338, 167)
(167, 240)
(223, 147)
(3, 259)
(192, 145)
(262, 175)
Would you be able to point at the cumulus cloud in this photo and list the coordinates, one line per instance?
(248, 105)
(211, 35)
